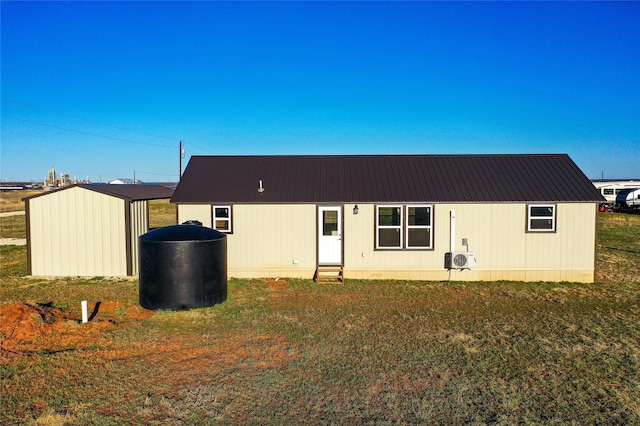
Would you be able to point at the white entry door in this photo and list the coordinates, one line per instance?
(329, 235)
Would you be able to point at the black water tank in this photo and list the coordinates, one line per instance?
(182, 267)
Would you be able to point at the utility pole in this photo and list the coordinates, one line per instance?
(181, 156)
(134, 177)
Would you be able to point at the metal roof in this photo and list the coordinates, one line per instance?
(384, 178)
(135, 192)
(126, 192)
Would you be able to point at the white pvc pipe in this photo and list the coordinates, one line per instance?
(85, 316)
(452, 241)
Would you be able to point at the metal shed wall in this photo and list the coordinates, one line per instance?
(139, 219)
(77, 232)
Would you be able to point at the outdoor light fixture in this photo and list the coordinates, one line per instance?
(355, 209)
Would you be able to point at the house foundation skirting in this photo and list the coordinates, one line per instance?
(554, 275)
(527, 275)
(301, 273)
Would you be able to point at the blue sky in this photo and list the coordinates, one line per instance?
(100, 89)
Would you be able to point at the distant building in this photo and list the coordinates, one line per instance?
(609, 188)
(52, 180)
(55, 180)
(124, 181)
(64, 179)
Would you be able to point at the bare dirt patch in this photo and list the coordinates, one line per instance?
(277, 284)
(28, 328)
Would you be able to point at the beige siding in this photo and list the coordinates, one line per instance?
(77, 232)
(139, 225)
(267, 238)
(496, 235)
(199, 212)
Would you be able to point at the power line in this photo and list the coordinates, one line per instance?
(84, 119)
(156, 174)
(203, 150)
(84, 133)
(186, 144)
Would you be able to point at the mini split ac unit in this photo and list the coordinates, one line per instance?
(459, 260)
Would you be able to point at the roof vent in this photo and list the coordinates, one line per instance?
(260, 187)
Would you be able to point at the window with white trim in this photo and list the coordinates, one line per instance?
(221, 218)
(389, 227)
(404, 227)
(541, 218)
(419, 224)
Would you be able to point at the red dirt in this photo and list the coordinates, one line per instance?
(277, 284)
(169, 361)
(27, 328)
(117, 308)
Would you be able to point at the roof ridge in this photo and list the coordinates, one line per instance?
(532, 154)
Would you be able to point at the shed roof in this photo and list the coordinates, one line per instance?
(384, 178)
(126, 192)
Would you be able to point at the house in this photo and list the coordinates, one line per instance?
(513, 217)
(124, 181)
(88, 229)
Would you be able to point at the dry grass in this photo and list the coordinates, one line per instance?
(11, 201)
(366, 352)
(162, 213)
(618, 247)
(13, 227)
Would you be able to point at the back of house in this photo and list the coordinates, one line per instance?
(414, 217)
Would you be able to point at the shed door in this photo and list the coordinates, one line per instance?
(330, 235)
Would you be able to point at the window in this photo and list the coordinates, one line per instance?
(389, 227)
(330, 222)
(404, 227)
(222, 218)
(541, 218)
(419, 227)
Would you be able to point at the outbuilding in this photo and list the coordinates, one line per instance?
(88, 229)
(427, 217)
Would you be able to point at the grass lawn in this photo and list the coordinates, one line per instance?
(288, 352)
